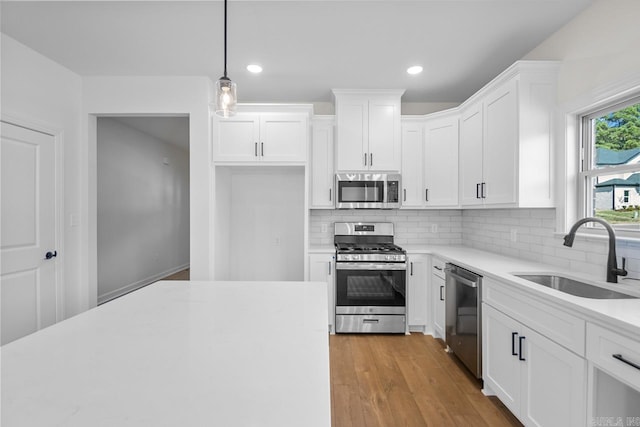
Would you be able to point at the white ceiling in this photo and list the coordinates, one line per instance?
(306, 47)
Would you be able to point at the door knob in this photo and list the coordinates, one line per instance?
(50, 254)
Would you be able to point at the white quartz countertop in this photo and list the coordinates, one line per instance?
(178, 354)
(617, 314)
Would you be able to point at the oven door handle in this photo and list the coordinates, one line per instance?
(371, 266)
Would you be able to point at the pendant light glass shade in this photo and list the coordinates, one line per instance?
(226, 98)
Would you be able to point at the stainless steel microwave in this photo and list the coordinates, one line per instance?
(367, 191)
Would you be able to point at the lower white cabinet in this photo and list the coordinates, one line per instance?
(417, 276)
(322, 269)
(540, 381)
(437, 297)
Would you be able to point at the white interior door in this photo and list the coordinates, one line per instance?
(28, 278)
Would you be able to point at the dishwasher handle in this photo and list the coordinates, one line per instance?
(460, 279)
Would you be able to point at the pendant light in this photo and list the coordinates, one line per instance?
(225, 89)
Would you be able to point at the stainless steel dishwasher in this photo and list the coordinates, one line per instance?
(463, 320)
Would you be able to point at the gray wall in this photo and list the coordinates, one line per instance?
(143, 208)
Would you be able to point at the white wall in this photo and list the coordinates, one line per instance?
(143, 208)
(598, 47)
(265, 230)
(37, 92)
(104, 96)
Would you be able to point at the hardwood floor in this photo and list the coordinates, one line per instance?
(180, 275)
(399, 380)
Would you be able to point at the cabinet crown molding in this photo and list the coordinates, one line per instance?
(273, 108)
(368, 92)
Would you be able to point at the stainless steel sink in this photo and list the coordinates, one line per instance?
(573, 287)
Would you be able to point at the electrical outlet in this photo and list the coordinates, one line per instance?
(514, 235)
(323, 228)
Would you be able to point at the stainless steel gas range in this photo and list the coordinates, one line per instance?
(370, 279)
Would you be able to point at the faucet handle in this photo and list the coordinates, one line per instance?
(621, 271)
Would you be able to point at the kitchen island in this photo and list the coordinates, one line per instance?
(178, 353)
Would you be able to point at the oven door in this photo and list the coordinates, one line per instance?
(370, 288)
(360, 191)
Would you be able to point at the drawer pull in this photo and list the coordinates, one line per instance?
(437, 267)
(628, 362)
(370, 320)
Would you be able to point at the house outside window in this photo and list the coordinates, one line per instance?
(610, 164)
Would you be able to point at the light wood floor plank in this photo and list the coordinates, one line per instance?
(395, 380)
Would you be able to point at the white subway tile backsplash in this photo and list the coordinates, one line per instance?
(489, 230)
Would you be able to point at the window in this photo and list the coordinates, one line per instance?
(610, 172)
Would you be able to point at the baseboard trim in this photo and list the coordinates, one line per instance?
(139, 284)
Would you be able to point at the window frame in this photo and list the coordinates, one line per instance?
(587, 170)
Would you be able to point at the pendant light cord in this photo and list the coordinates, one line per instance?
(225, 38)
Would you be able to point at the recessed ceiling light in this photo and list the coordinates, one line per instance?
(254, 68)
(416, 69)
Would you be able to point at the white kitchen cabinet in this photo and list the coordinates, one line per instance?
(417, 277)
(412, 164)
(322, 173)
(271, 137)
(430, 161)
(441, 161)
(437, 297)
(368, 134)
(506, 132)
(322, 269)
(541, 382)
(614, 375)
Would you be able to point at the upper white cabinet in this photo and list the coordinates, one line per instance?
(412, 163)
(430, 161)
(441, 161)
(506, 133)
(322, 173)
(368, 131)
(253, 137)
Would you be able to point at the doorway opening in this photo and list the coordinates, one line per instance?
(142, 202)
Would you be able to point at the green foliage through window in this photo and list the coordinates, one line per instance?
(619, 130)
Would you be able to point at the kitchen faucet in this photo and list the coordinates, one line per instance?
(612, 268)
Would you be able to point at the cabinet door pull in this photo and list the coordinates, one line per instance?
(255, 150)
(513, 343)
(426, 195)
(441, 295)
(262, 149)
(628, 362)
(477, 190)
(329, 194)
(329, 263)
(437, 267)
(411, 264)
(365, 159)
(370, 159)
(520, 357)
(483, 193)
(404, 192)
